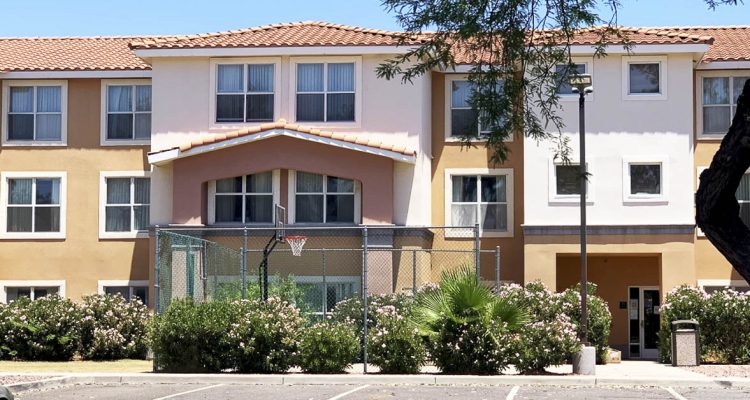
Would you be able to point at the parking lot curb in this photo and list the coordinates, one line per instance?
(375, 379)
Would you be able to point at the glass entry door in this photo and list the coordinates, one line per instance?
(644, 306)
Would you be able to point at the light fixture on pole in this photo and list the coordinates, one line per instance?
(585, 362)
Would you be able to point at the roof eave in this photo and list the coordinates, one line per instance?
(165, 157)
(268, 51)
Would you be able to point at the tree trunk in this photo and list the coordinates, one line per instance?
(717, 210)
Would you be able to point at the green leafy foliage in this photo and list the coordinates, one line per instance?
(466, 324)
(192, 337)
(394, 343)
(265, 336)
(724, 318)
(283, 287)
(541, 344)
(328, 347)
(46, 329)
(352, 311)
(113, 328)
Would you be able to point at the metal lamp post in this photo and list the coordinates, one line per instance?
(581, 84)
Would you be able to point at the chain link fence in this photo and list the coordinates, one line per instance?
(336, 263)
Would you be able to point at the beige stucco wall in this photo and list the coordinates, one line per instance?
(676, 253)
(81, 259)
(454, 155)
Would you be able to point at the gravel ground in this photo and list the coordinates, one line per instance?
(722, 371)
(11, 379)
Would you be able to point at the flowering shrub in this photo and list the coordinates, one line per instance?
(113, 328)
(724, 318)
(45, 329)
(395, 344)
(351, 310)
(546, 306)
(265, 336)
(469, 349)
(328, 347)
(192, 337)
(544, 343)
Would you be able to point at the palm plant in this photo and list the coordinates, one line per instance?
(465, 322)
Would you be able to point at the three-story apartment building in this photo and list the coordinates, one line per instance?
(104, 138)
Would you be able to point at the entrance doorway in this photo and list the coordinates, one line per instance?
(644, 308)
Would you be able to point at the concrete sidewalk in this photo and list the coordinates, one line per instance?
(628, 373)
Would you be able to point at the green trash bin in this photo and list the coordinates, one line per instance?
(686, 343)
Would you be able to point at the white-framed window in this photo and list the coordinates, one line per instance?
(246, 199)
(719, 94)
(33, 205)
(743, 198)
(644, 78)
(323, 199)
(124, 204)
(324, 293)
(565, 185)
(34, 113)
(713, 285)
(460, 118)
(480, 196)
(326, 90)
(581, 65)
(126, 112)
(645, 179)
(32, 289)
(244, 91)
(127, 289)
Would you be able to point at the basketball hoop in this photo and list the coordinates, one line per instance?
(296, 243)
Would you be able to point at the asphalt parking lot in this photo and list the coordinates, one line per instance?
(371, 392)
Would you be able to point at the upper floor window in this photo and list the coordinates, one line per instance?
(127, 204)
(245, 93)
(245, 199)
(34, 112)
(325, 199)
(720, 96)
(325, 92)
(464, 120)
(644, 78)
(128, 113)
(565, 183)
(645, 179)
(483, 197)
(33, 205)
(563, 72)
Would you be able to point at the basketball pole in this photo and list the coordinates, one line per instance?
(264, 266)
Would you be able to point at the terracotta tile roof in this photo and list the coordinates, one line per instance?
(308, 33)
(637, 36)
(282, 124)
(731, 43)
(69, 54)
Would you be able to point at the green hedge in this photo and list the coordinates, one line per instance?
(724, 318)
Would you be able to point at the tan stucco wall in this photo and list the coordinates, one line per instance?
(709, 263)
(81, 259)
(454, 155)
(676, 252)
(613, 275)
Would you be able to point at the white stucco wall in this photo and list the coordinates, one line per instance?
(390, 111)
(617, 129)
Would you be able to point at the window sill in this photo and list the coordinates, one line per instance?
(126, 142)
(646, 97)
(33, 236)
(325, 124)
(711, 137)
(24, 143)
(480, 139)
(643, 200)
(124, 235)
(573, 200)
(468, 233)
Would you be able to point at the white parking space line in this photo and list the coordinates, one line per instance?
(171, 396)
(342, 395)
(512, 394)
(674, 393)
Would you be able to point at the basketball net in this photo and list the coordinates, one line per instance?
(296, 243)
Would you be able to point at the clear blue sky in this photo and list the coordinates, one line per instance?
(140, 17)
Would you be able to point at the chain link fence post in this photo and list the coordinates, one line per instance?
(414, 272)
(477, 253)
(364, 298)
(324, 296)
(243, 264)
(156, 269)
(497, 269)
